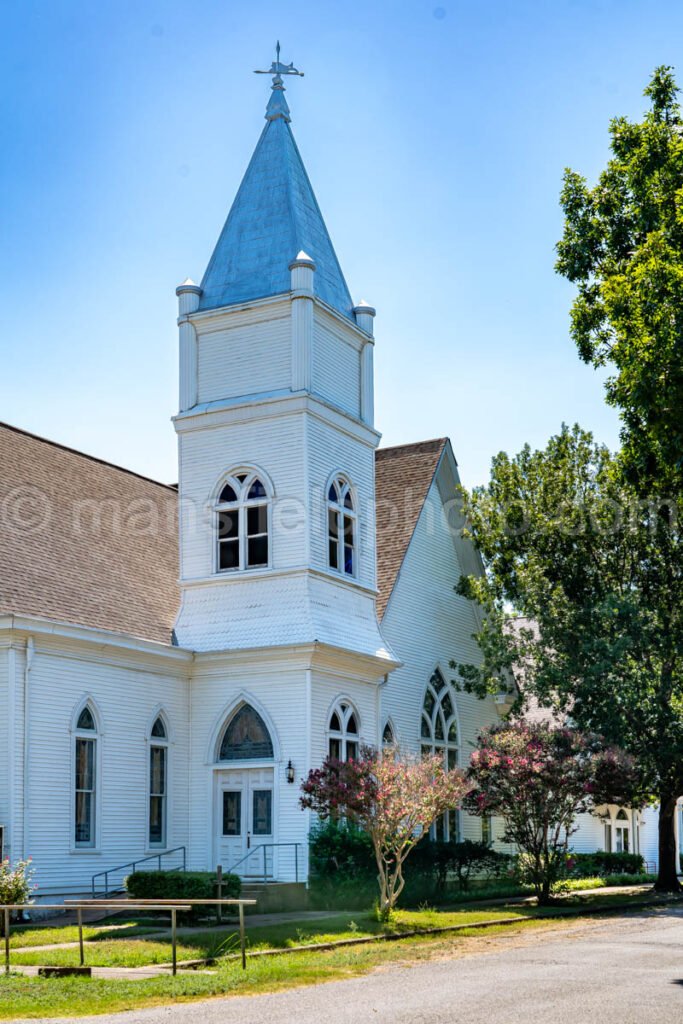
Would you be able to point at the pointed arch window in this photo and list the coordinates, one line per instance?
(243, 523)
(85, 779)
(246, 737)
(158, 783)
(388, 739)
(439, 735)
(343, 734)
(342, 524)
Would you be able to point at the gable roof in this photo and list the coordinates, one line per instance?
(275, 216)
(89, 543)
(85, 542)
(403, 476)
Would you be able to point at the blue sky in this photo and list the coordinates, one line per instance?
(435, 134)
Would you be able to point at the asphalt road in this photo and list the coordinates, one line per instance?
(623, 971)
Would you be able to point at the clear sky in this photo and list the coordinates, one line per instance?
(435, 133)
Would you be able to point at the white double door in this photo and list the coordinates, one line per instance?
(245, 825)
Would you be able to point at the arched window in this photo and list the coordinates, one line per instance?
(158, 783)
(343, 732)
(388, 740)
(246, 737)
(439, 735)
(622, 833)
(243, 523)
(85, 779)
(341, 528)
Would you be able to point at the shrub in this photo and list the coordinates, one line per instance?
(589, 865)
(339, 850)
(16, 884)
(180, 885)
(343, 869)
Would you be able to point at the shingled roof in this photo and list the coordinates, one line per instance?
(86, 542)
(403, 476)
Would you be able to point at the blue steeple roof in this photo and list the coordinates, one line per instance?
(275, 216)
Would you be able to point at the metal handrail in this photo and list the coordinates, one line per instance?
(134, 863)
(269, 846)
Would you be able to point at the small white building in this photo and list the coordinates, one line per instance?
(173, 660)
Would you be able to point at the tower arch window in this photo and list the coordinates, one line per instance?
(243, 522)
(342, 528)
(343, 732)
(85, 779)
(439, 735)
(158, 784)
(246, 737)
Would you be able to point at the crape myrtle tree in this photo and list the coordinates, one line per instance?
(393, 799)
(569, 544)
(538, 778)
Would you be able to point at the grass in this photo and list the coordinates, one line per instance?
(74, 997)
(122, 951)
(43, 935)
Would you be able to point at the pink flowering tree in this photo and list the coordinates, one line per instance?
(393, 799)
(538, 779)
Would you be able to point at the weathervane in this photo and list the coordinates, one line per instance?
(277, 69)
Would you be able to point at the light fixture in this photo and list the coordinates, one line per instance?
(290, 772)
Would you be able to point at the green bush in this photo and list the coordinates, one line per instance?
(590, 865)
(464, 860)
(182, 885)
(343, 869)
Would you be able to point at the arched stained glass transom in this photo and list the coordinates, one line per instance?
(439, 735)
(246, 737)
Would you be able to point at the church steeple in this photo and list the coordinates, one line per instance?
(275, 215)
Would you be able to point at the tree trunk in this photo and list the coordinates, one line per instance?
(667, 879)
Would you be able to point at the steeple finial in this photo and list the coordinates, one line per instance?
(277, 106)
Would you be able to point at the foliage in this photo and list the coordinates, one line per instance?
(16, 883)
(341, 850)
(179, 885)
(587, 865)
(623, 247)
(394, 800)
(597, 575)
(538, 779)
(466, 859)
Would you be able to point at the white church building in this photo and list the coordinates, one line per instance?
(174, 659)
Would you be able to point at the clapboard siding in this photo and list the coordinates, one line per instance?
(331, 451)
(427, 625)
(336, 366)
(125, 700)
(4, 742)
(278, 691)
(244, 360)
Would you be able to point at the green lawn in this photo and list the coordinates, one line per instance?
(42, 935)
(74, 997)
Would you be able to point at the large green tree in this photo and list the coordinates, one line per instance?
(623, 247)
(569, 543)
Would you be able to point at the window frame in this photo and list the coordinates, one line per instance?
(161, 743)
(448, 827)
(344, 711)
(241, 506)
(93, 736)
(344, 490)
